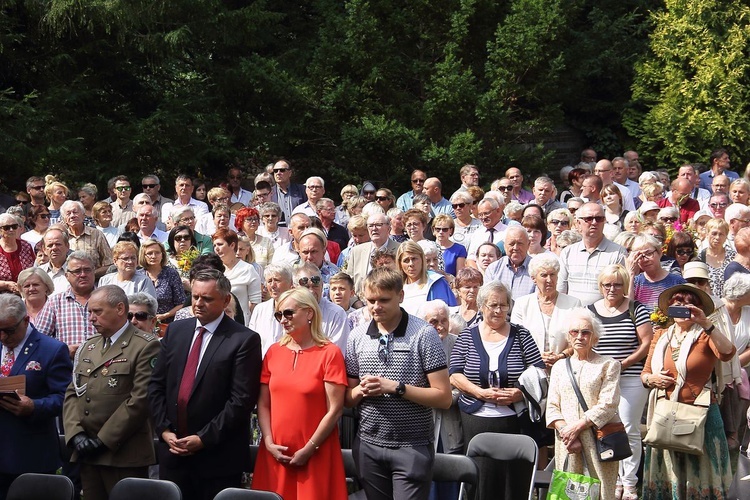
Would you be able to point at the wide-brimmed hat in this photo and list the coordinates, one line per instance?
(695, 270)
(707, 303)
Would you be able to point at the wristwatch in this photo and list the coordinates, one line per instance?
(710, 329)
(400, 390)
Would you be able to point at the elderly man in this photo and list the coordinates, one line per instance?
(519, 194)
(278, 279)
(405, 201)
(545, 193)
(147, 219)
(326, 210)
(433, 188)
(27, 424)
(720, 184)
(334, 322)
(717, 205)
(82, 237)
(288, 253)
(315, 188)
(741, 262)
(737, 216)
(122, 207)
(605, 170)
(152, 187)
(505, 187)
(287, 195)
(142, 309)
(184, 216)
(490, 214)
(65, 315)
(512, 270)
(312, 248)
(56, 247)
(106, 414)
(469, 177)
(234, 184)
(580, 263)
(184, 198)
(680, 197)
(720, 164)
(359, 265)
(620, 169)
(690, 173)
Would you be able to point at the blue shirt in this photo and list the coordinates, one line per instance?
(518, 281)
(708, 177)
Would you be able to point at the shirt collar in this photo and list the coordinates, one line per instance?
(119, 333)
(400, 330)
(211, 326)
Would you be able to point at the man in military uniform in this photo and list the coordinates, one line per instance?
(105, 413)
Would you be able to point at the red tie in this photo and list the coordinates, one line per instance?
(186, 385)
(8, 360)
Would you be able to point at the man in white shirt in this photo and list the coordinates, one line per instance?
(287, 253)
(490, 213)
(315, 188)
(147, 217)
(620, 169)
(184, 189)
(56, 246)
(278, 279)
(335, 325)
(234, 184)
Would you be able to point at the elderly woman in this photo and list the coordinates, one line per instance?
(537, 230)
(269, 216)
(465, 223)
(682, 362)
(247, 222)
(38, 218)
(647, 276)
(633, 222)
(35, 286)
(487, 253)
(681, 248)
(209, 222)
(739, 191)
(668, 215)
(15, 253)
(179, 241)
(558, 220)
(57, 193)
(347, 193)
(613, 211)
(87, 196)
(467, 284)
(598, 378)
(125, 257)
(142, 312)
(278, 279)
(542, 312)
(485, 365)
(420, 285)
(102, 213)
(243, 277)
(396, 215)
(717, 254)
(170, 292)
(416, 224)
(626, 337)
(454, 254)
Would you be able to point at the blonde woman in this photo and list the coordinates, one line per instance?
(35, 286)
(125, 257)
(342, 215)
(717, 254)
(57, 193)
(303, 374)
(420, 285)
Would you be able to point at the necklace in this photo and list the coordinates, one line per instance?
(614, 309)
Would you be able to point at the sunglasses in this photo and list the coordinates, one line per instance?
(37, 188)
(698, 281)
(668, 219)
(286, 313)
(369, 193)
(441, 229)
(418, 181)
(456, 206)
(505, 188)
(45, 216)
(381, 198)
(23, 202)
(384, 341)
(684, 251)
(123, 188)
(592, 218)
(182, 237)
(148, 186)
(560, 222)
(280, 170)
(717, 205)
(9, 227)
(81, 271)
(140, 316)
(305, 281)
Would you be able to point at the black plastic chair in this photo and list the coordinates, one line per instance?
(243, 494)
(455, 468)
(35, 486)
(145, 489)
(506, 447)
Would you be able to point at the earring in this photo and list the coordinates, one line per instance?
(309, 322)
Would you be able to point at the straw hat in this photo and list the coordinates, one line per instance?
(695, 270)
(706, 302)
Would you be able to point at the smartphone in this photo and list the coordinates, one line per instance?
(678, 312)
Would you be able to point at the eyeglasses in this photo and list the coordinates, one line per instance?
(304, 281)
(744, 221)
(252, 220)
(496, 307)
(668, 219)
(718, 205)
(12, 330)
(505, 188)
(127, 259)
(148, 186)
(81, 271)
(23, 202)
(186, 220)
(648, 254)
(182, 237)
(122, 188)
(286, 313)
(592, 218)
(456, 206)
(270, 216)
(314, 187)
(9, 227)
(441, 229)
(45, 216)
(375, 225)
(140, 316)
(418, 181)
(280, 170)
(698, 281)
(413, 224)
(684, 251)
(381, 198)
(575, 332)
(384, 341)
(559, 222)
(614, 286)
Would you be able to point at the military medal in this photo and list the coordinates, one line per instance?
(91, 347)
(105, 371)
(112, 382)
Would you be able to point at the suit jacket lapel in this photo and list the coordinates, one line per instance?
(27, 353)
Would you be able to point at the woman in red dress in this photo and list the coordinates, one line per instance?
(301, 400)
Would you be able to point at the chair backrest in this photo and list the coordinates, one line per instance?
(350, 469)
(506, 447)
(242, 494)
(34, 486)
(145, 489)
(456, 468)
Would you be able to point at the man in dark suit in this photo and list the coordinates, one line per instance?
(106, 407)
(204, 387)
(286, 194)
(27, 426)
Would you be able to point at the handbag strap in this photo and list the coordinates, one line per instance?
(574, 383)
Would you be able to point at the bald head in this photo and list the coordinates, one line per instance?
(742, 242)
(433, 188)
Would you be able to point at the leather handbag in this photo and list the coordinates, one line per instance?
(611, 439)
(678, 426)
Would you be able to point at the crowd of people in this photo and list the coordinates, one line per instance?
(178, 317)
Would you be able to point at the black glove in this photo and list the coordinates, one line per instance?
(85, 445)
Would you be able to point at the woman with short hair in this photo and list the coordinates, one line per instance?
(467, 285)
(38, 218)
(170, 293)
(244, 278)
(247, 223)
(647, 276)
(454, 254)
(558, 220)
(420, 284)
(15, 253)
(465, 223)
(269, 216)
(35, 287)
(717, 254)
(537, 230)
(125, 257)
(739, 191)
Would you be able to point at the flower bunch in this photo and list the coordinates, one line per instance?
(659, 318)
(185, 261)
(671, 229)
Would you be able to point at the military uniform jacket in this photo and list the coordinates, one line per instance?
(108, 398)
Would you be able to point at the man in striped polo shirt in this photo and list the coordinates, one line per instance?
(397, 372)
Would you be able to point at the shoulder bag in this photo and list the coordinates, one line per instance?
(611, 440)
(678, 426)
